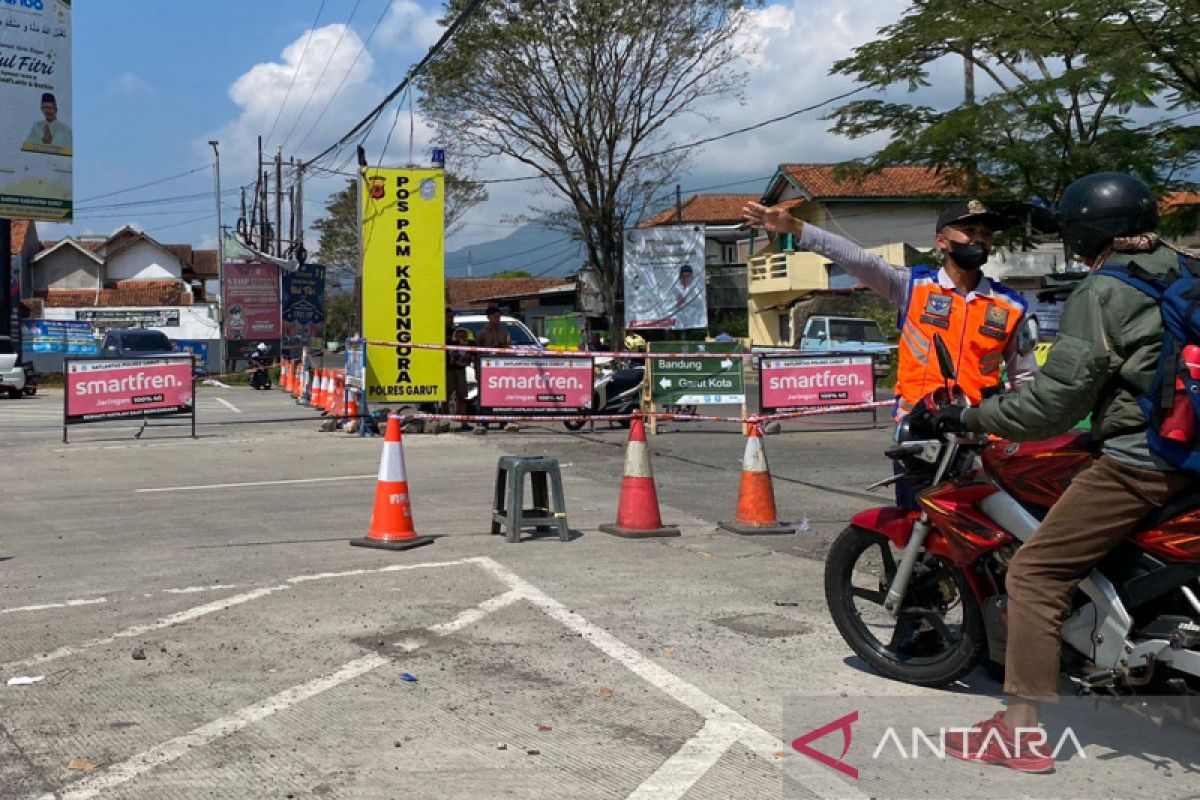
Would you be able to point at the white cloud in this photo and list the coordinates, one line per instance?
(128, 84)
(330, 54)
(409, 25)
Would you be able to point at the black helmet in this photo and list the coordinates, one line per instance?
(1099, 207)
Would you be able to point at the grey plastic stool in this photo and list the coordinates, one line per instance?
(508, 507)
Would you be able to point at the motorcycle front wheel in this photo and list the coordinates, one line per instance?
(938, 636)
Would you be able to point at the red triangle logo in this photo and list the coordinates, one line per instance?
(800, 744)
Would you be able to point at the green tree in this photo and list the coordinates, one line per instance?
(1063, 83)
(580, 92)
(341, 317)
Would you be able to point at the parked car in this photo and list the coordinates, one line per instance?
(847, 335)
(12, 373)
(135, 343)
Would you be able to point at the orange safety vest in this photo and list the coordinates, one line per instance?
(976, 333)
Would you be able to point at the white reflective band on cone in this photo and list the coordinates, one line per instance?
(637, 460)
(755, 459)
(391, 465)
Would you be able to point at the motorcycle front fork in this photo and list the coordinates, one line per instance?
(904, 570)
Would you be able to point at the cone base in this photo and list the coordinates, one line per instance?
(640, 533)
(394, 544)
(775, 529)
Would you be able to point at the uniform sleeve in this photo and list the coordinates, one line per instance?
(1066, 388)
(870, 270)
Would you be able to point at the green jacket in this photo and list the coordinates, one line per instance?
(1106, 354)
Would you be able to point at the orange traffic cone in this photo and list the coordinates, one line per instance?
(317, 396)
(327, 393)
(756, 496)
(297, 379)
(391, 520)
(283, 374)
(637, 510)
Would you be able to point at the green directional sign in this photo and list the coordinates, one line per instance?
(680, 380)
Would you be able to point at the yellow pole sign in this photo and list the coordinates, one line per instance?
(403, 286)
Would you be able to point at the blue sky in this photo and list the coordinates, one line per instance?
(154, 81)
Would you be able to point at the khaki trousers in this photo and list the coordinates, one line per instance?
(1100, 508)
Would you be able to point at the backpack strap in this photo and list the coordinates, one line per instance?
(1130, 273)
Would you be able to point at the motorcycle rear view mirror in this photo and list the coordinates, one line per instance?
(945, 360)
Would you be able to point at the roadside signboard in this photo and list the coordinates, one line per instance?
(58, 336)
(403, 283)
(99, 389)
(696, 381)
(788, 383)
(36, 141)
(664, 278)
(304, 307)
(253, 312)
(536, 385)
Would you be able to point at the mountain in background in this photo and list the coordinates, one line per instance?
(531, 247)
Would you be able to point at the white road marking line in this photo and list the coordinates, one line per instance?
(763, 744)
(67, 604)
(253, 483)
(228, 405)
(681, 771)
(472, 615)
(196, 589)
(144, 445)
(137, 630)
(173, 749)
(320, 576)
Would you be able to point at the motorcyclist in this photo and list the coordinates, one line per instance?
(260, 378)
(1106, 355)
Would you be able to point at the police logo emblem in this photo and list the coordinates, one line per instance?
(939, 305)
(997, 317)
(976, 207)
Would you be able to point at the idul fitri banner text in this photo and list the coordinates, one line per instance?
(36, 140)
(402, 286)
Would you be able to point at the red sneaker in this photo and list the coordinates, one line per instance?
(991, 742)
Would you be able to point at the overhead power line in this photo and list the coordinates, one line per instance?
(144, 185)
(321, 114)
(299, 63)
(437, 47)
(321, 77)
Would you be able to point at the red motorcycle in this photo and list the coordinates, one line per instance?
(919, 594)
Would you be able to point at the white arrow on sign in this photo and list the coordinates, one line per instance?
(665, 383)
(726, 363)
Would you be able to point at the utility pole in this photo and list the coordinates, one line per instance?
(470, 266)
(298, 208)
(678, 205)
(969, 101)
(220, 255)
(279, 200)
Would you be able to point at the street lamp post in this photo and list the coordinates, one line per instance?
(220, 258)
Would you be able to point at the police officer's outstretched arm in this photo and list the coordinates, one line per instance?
(1066, 388)
(871, 270)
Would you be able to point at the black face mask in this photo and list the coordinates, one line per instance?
(969, 256)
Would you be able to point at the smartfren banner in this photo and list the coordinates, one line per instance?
(35, 110)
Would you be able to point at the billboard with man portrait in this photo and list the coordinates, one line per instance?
(35, 94)
(664, 278)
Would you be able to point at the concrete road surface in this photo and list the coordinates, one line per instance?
(201, 628)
